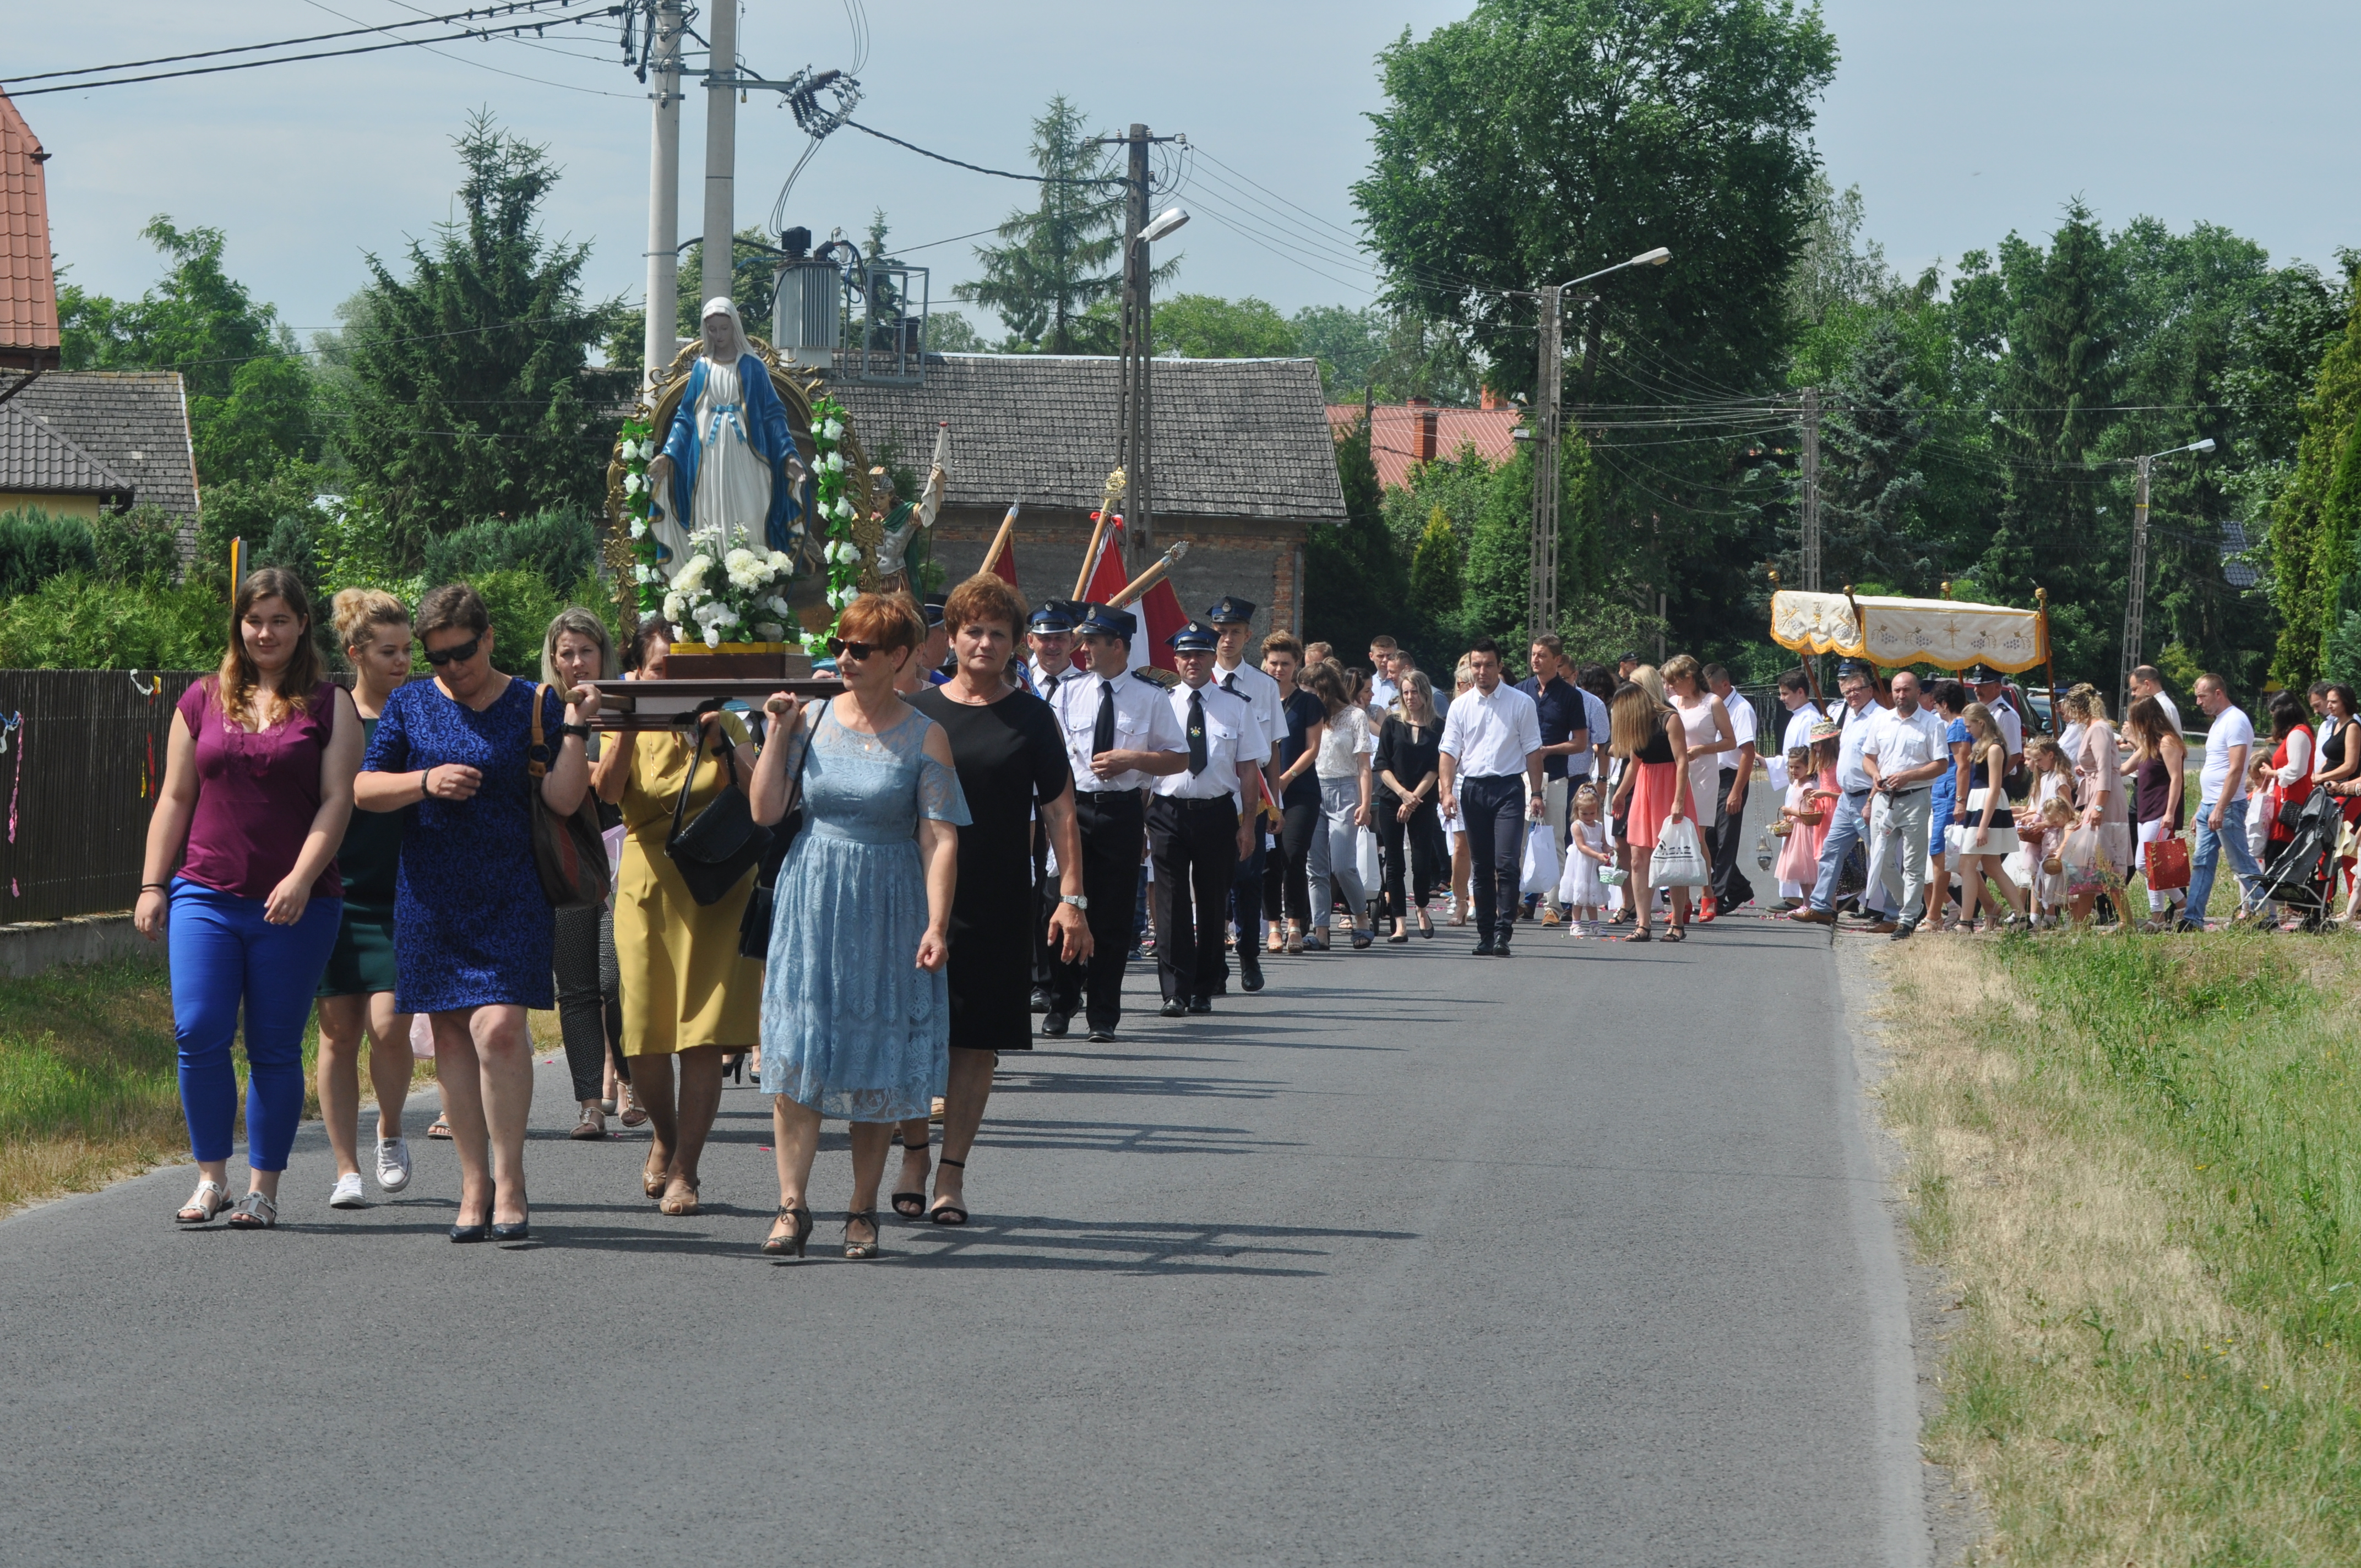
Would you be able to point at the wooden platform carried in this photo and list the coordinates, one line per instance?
(675, 704)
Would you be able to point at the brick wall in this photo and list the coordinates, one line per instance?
(1251, 557)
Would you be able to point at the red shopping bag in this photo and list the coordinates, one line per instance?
(2168, 865)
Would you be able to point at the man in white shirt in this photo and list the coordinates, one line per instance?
(1730, 888)
(1491, 761)
(2221, 801)
(1384, 689)
(1198, 831)
(1904, 755)
(1989, 691)
(2148, 681)
(1120, 736)
(1232, 620)
(1849, 824)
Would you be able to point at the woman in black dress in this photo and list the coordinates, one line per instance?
(1012, 761)
(1407, 765)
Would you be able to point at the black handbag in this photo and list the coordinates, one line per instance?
(754, 926)
(714, 853)
(568, 853)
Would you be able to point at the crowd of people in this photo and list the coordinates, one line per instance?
(869, 897)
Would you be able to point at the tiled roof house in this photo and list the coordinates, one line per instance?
(74, 441)
(1244, 466)
(1403, 435)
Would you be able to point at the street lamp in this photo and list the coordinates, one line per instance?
(1166, 221)
(2135, 597)
(1540, 601)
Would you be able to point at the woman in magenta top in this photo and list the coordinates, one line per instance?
(257, 787)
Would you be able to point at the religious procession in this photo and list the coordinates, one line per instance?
(1576, 753)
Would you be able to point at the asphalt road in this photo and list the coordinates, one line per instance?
(1413, 1259)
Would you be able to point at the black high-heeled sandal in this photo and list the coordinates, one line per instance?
(947, 1211)
(734, 1067)
(913, 1205)
(799, 1231)
(862, 1249)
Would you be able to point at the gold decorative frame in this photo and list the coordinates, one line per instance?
(797, 391)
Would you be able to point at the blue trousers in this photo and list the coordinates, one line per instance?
(2207, 859)
(1493, 807)
(1848, 827)
(224, 953)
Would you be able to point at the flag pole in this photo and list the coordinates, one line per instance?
(1001, 541)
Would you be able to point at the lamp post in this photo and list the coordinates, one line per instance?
(1540, 601)
(2136, 600)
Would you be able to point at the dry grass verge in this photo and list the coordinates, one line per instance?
(89, 1086)
(2135, 1159)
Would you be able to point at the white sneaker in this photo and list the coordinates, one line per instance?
(348, 1194)
(392, 1164)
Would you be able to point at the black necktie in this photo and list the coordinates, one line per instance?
(1196, 733)
(1230, 683)
(1103, 733)
(1049, 686)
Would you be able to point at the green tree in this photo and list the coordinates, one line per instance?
(471, 392)
(2316, 521)
(1347, 343)
(1873, 482)
(2060, 384)
(1064, 256)
(250, 395)
(1538, 140)
(1434, 574)
(1205, 326)
(1354, 585)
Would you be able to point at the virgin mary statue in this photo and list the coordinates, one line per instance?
(729, 457)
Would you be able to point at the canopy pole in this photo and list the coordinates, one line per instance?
(1807, 660)
(1877, 683)
(2048, 659)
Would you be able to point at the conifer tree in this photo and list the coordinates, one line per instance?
(1434, 574)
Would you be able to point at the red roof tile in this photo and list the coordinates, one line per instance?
(28, 288)
(1395, 436)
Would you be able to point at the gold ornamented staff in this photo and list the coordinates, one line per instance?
(1150, 577)
(1000, 541)
(1115, 484)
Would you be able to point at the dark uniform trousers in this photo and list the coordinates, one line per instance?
(1111, 822)
(1045, 905)
(1730, 888)
(1195, 845)
(1493, 812)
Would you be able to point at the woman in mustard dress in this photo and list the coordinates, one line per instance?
(686, 994)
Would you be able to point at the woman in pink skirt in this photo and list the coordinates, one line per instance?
(1655, 788)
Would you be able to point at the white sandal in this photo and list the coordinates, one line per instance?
(204, 1205)
(254, 1212)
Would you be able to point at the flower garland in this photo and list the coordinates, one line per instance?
(835, 513)
(638, 447)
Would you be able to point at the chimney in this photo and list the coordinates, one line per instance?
(1488, 398)
(1428, 418)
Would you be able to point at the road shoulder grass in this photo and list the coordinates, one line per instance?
(2134, 1160)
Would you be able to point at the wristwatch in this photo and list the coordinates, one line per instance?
(1079, 900)
(579, 731)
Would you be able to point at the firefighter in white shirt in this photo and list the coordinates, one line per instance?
(1198, 828)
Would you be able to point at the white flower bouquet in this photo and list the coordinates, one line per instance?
(729, 594)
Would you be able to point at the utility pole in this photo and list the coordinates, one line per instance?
(2136, 603)
(1810, 474)
(661, 338)
(720, 150)
(1540, 594)
(1131, 401)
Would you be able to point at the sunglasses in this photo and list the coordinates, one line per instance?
(458, 653)
(837, 647)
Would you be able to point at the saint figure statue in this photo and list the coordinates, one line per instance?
(728, 462)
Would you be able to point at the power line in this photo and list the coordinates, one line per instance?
(980, 169)
(478, 33)
(487, 65)
(282, 43)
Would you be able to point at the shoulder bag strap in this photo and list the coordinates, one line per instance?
(535, 765)
(680, 806)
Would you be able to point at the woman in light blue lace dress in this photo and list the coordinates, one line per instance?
(856, 1010)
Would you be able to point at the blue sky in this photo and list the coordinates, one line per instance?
(1959, 121)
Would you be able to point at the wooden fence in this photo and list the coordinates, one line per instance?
(82, 760)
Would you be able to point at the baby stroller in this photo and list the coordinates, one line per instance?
(2302, 873)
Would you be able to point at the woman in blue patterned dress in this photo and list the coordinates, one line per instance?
(472, 930)
(851, 1027)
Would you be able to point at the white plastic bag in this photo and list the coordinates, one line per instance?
(1541, 860)
(1365, 859)
(1680, 860)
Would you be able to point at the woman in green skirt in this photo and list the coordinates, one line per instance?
(356, 993)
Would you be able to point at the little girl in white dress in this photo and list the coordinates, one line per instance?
(1581, 891)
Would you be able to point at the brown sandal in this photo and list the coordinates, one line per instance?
(654, 1182)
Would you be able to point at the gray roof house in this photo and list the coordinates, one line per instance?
(1243, 465)
(109, 437)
